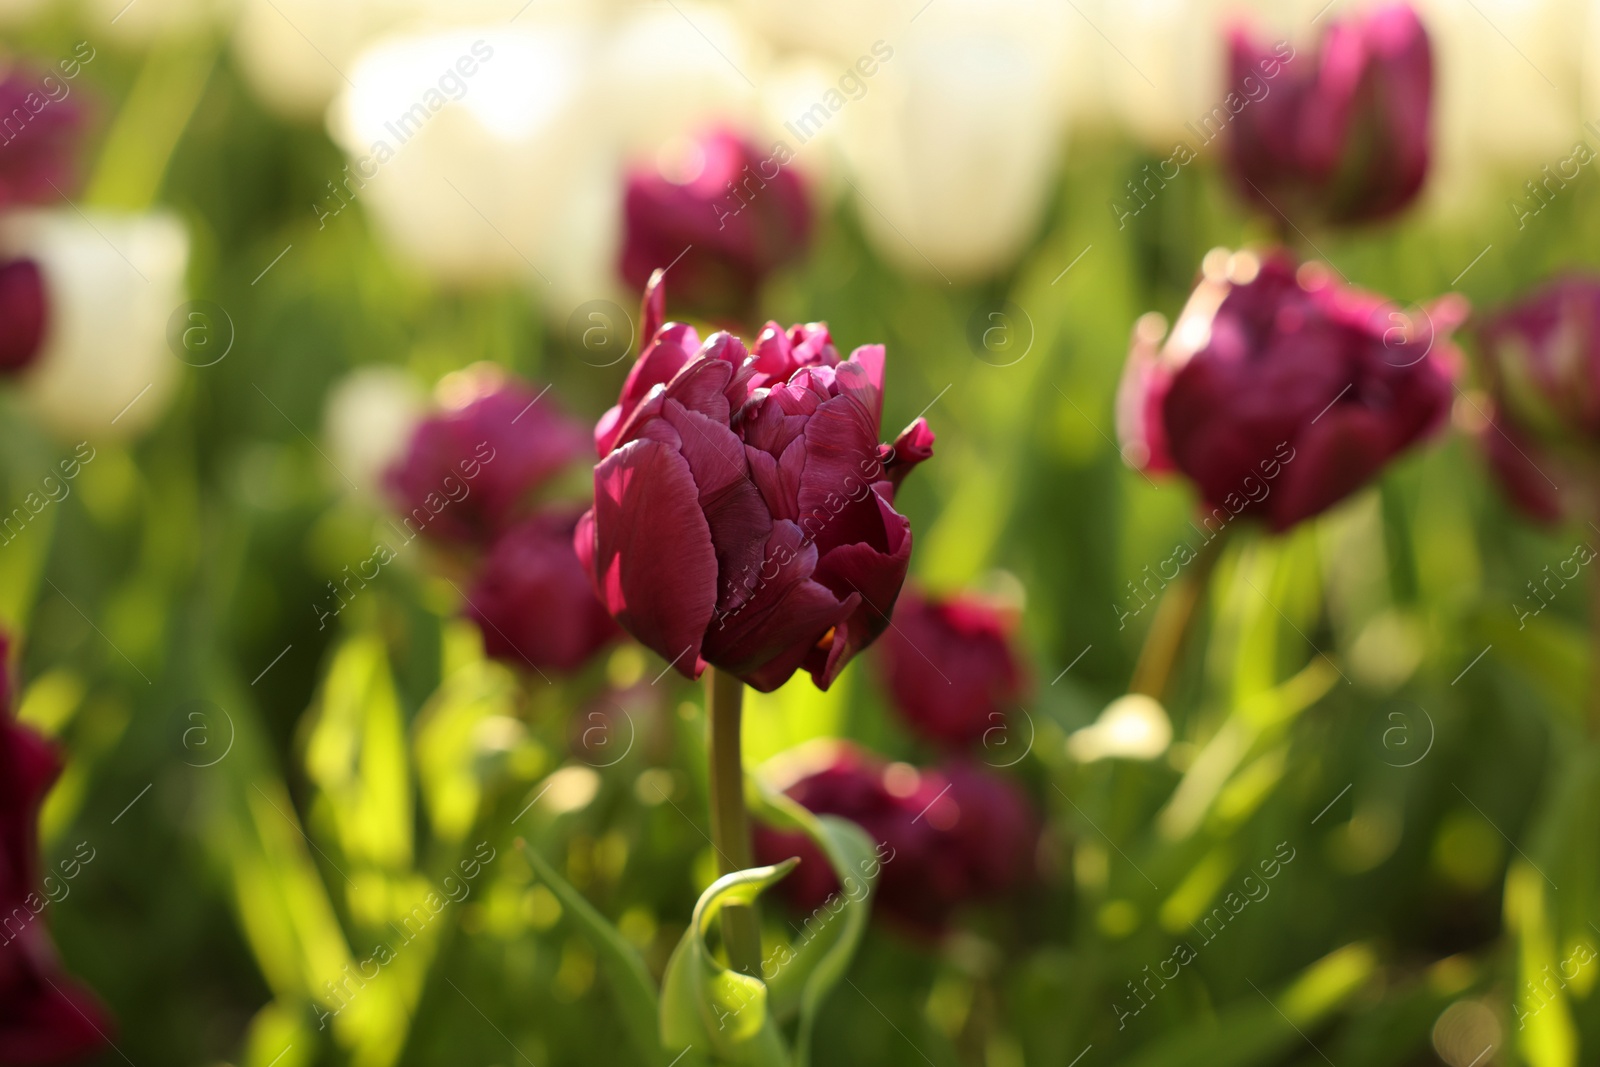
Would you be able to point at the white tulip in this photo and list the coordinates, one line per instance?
(953, 144)
(297, 54)
(1131, 727)
(368, 422)
(145, 21)
(840, 30)
(112, 282)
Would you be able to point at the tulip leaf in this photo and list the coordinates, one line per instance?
(706, 1007)
(631, 984)
(805, 973)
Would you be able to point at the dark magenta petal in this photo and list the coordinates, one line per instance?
(23, 308)
(875, 574)
(913, 446)
(533, 602)
(37, 142)
(841, 465)
(666, 352)
(48, 1019)
(652, 561)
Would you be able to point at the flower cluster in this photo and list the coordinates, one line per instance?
(470, 479)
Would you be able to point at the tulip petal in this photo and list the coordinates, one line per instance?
(874, 576)
(841, 454)
(651, 558)
(784, 615)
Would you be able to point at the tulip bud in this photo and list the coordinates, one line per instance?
(1343, 134)
(730, 216)
(743, 509)
(47, 1018)
(471, 470)
(1542, 362)
(949, 667)
(944, 837)
(38, 132)
(111, 283)
(533, 602)
(1281, 390)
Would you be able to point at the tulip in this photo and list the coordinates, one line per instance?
(1341, 135)
(1542, 361)
(368, 422)
(38, 133)
(112, 282)
(532, 599)
(734, 214)
(949, 667)
(45, 1018)
(471, 470)
(1282, 391)
(22, 314)
(743, 508)
(944, 837)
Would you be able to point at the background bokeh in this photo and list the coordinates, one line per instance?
(268, 790)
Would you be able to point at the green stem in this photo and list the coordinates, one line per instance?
(1594, 657)
(1175, 615)
(730, 822)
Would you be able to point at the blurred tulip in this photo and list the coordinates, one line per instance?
(23, 313)
(533, 601)
(368, 423)
(39, 128)
(727, 220)
(949, 667)
(1343, 135)
(45, 1018)
(292, 52)
(1542, 362)
(1282, 390)
(111, 284)
(952, 146)
(743, 506)
(945, 837)
(471, 470)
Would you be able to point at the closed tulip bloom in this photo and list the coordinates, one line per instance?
(45, 1017)
(1282, 390)
(533, 601)
(1542, 362)
(22, 314)
(37, 138)
(1342, 134)
(944, 837)
(471, 470)
(949, 667)
(731, 217)
(743, 508)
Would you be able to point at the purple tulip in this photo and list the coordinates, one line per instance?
(23, 314)
(1542, 363)
(45, 1017)
(470, 472)
(743, 507)
(722, 230)
(37, 139)
(533, 601)
(949, 667)
(945, 837)
(1340, 136)
(1282, 390)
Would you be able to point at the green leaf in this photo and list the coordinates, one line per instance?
(706, 1006)
(803, 975)
(631, 984)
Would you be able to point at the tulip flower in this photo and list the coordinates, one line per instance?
(111, 283)
(743, 512)
(1542, 361)
(945, 837)
(1341, 135)
(1283, 390)
(45, 1018)
(533, 601)
(734, 214)
(949, 667)
(37, 136)
(471, 470)
(368, 421)
(22, 314)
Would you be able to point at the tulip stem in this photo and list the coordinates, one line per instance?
(730, 822)
(1594, 658)
(1175, 616)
